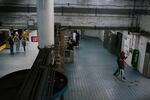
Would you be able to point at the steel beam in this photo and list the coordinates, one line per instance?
(78, 10)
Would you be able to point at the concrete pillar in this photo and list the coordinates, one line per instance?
(45, 20)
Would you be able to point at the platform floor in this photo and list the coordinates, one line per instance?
(91, 76)
(19, 60)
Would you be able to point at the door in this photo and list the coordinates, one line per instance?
(146, 67)
(118, 43)
(106, 39)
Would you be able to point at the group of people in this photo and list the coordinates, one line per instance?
(17, 39)
(120, 61)
(73, 40)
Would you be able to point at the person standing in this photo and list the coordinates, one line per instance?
(74, 37)
(70, 44)
(11, 44)
(26, 34)
(24, 43)
(17, 41)
(77, 38)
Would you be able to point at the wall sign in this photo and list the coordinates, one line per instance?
(34, 38)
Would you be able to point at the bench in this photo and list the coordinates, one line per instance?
(38, 84)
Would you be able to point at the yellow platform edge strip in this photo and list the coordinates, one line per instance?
(2, 47)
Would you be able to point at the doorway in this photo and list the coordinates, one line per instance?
(118, 43)
(146, 67)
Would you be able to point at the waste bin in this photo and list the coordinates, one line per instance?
(135, 58)
(69, 56)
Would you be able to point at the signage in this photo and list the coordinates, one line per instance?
(34, 38)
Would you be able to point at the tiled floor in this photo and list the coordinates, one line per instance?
(91, 76)
(21, 60)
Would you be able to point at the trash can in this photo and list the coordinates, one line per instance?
(135, 58)
(69, 56)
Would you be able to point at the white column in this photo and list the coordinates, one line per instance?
(45, 20)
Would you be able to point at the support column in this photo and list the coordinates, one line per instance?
(45, 21)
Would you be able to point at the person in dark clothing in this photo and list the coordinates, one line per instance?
(70, 44)
(11, 43)
(24, 43)
(77, 38)
(120, 62)
(20, 33)
(12, 31)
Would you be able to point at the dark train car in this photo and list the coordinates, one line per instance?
(4, 35)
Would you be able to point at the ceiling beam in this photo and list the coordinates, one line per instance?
(101, 27)
(10, 9)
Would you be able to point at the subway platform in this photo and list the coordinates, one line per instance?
(90, 76)
(19, 60)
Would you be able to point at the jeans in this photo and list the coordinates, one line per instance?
(11, 49)
(120, 71)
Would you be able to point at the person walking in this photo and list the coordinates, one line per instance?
(121, 66)
(11, 44)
